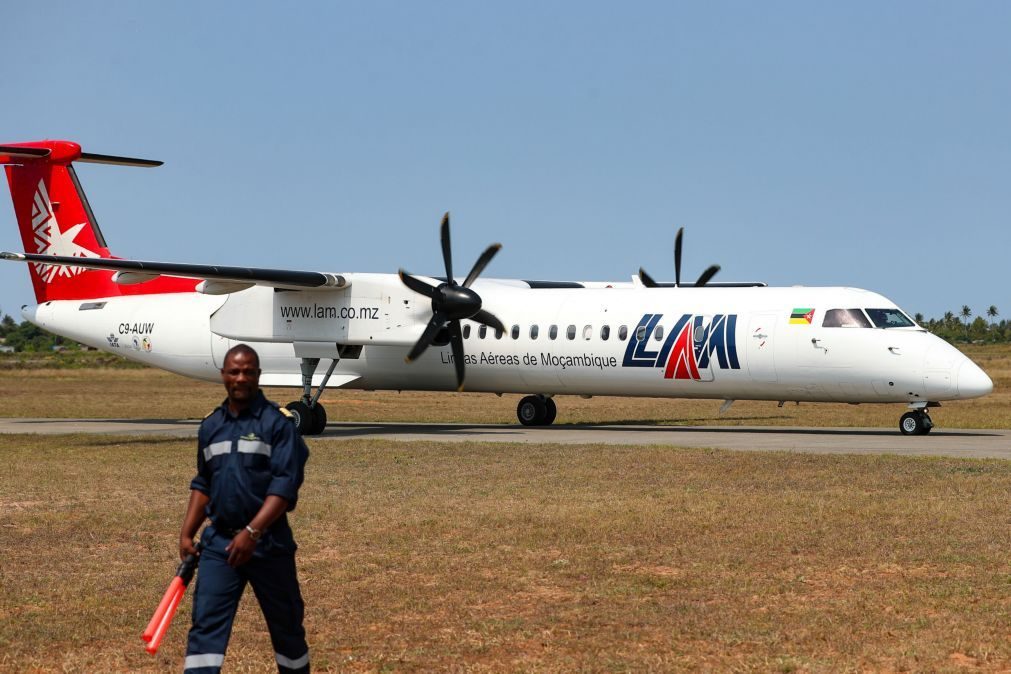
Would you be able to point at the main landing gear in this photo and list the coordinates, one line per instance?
(536, 411)
(309, 415)
(917, 422)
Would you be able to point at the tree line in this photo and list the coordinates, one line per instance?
(962, 326)
(965, 326)
(25, 336)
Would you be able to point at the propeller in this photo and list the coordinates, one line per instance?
(704, 278)
(451, 303)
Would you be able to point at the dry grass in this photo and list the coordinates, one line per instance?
(420, 557)
(146, 393)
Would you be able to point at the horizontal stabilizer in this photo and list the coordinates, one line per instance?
(278, 278)
(23, 152)
(119, 161)
(64, 152)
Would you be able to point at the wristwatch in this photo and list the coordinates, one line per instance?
(254, 533)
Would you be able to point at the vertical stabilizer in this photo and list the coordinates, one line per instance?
(54, 218)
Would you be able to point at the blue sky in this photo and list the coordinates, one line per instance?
(865, 144)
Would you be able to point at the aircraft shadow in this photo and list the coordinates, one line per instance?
(353, 429)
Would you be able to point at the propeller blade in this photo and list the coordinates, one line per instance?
(481, 263)
(456, 342)
(677, 256)
(447, 254)
(434, 325)
(646, 279)
(417, 285)
(489, 319)
(707, 276)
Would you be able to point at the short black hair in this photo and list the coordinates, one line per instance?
(244, 349)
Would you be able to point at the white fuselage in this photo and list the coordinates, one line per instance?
(729, 343)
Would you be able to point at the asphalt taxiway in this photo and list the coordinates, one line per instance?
(969, 443)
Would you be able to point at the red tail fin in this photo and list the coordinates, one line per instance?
(55, 219)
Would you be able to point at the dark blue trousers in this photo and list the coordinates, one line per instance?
(216, 598)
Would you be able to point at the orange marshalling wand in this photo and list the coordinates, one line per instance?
(162, 618)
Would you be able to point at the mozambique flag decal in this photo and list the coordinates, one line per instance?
(802, 316)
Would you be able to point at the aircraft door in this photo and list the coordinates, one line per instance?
(761, 347)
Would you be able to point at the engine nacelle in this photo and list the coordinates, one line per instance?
(373, 309)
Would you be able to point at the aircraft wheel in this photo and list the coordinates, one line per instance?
(318, 419)
(550, 411)
(302, 416)
(531, 411)
(915, 423)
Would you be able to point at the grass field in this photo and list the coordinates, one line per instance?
(147, 393)
(517, 558)
(421, 557)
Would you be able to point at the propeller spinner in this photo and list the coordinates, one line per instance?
(451, 303)
(704, 278)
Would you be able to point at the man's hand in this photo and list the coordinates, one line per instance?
(240, 549)
(186, 547)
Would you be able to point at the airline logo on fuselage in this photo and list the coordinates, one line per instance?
(692, 348)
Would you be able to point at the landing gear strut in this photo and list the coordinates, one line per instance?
(536, 411)
(917, 422)
(308, 413)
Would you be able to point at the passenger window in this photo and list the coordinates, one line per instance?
(623, 333)
(658, 333)
(553, 332)
(890, 318)
(498, 333)
(482, 331)
(588, 332)
(533, 332)
(516, 332)
(466, 331)
(845, 318)
(605, 332)
(640, 333)
(570, 333)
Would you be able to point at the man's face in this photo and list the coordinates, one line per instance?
(241, 376)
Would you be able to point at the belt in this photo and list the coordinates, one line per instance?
(226, 532)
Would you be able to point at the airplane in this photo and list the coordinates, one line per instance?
(383, 331)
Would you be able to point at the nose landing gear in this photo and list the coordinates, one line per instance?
(917, 422)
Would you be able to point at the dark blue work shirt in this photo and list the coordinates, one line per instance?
(242, 459)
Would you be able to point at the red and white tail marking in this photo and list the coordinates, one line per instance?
(55, 219)
(51, 239)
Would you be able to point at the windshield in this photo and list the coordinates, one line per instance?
(889, 318)
(845, 318)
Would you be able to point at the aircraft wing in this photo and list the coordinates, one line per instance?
(217, 279)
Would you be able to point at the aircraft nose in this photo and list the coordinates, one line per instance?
(972, 381)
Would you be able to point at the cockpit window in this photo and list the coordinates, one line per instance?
(845, 318)
(890, 318)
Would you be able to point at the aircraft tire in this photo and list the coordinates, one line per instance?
(302, 416)
(318, 419)
(531, 411)
(915, 423)
(550, 412)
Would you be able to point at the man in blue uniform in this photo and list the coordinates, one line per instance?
(250, 462)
